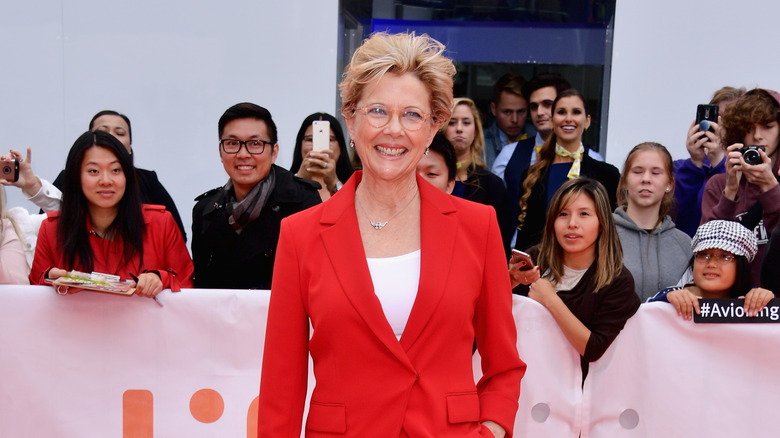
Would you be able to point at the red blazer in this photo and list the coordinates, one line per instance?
(368, 382)
(164, 251)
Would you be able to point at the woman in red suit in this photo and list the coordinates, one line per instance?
(103, 227)
(395, 277)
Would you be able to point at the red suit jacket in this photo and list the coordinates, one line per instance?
(368, 382)
(164, 251)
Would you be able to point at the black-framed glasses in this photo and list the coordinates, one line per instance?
(412, 119)
(233, 145)
(720, 259)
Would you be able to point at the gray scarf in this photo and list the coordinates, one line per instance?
(248, 209)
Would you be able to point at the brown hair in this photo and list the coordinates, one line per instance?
(384, 53)
(667, 202)
(511, 83)
(609, 253)
(727, 94)
(755, 106)
(546, 156)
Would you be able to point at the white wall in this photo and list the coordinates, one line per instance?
(172, 67)
(671, 55)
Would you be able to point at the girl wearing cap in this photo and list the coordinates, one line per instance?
(722, 251)
(748, 193)
(583, 283)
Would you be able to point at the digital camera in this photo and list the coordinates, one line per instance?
(9, 170)
(751, 155)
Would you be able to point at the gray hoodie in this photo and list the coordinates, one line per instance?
(659, 264)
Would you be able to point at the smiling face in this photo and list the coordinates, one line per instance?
(391, 153)
(569, 121)
(647, 180)
(577, 230)
(714, 276)
(245, 169)
(116, 126)
(102, 179)
(764, 134)
(460, 131)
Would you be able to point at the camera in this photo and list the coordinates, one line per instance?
(751, 155)
(9, 170)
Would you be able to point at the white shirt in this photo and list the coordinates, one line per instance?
(396, 280)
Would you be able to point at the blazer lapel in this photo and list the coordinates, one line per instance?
(438, 228)
(341, 238)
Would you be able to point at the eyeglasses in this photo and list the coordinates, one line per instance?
(310, 139)
(412, 119)
(720, 259)
(233, 145)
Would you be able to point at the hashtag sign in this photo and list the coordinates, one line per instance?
(732, 310)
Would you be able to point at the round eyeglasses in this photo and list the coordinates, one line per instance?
(233, 145)
(412, 119)
(720, 259)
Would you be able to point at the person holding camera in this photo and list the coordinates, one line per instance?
(707, 158)
(748, 191)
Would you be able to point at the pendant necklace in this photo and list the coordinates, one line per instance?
(379, 224)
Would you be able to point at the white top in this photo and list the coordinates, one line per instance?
(396, 280)
(28, 225)
(13, 263)
(570, 278)
(48, 196)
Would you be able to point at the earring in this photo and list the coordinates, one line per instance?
(668, 189)
(352, 144)
(427, 149)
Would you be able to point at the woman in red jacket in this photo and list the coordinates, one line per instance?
(103, 227)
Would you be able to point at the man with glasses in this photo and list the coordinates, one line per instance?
(235, 228)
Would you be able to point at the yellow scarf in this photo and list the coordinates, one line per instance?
(574, 172)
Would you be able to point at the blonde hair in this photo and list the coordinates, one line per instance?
(477, 148)
(4, 215)
(609, 253)
(401, 53)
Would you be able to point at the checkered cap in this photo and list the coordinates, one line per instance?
(726, 235)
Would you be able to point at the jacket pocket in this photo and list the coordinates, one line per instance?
(463, 407)
(324, 417)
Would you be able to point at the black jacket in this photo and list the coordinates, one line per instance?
(536, 213)
(226, 260)
(484, 187)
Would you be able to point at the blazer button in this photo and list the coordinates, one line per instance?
(269, 253)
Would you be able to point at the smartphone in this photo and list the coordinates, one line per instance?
(9, 170)
(707, 112)
(320, 135)
(520, 256)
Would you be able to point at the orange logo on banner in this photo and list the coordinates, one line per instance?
(206, 406)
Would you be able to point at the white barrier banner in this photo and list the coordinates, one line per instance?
(667, 377)
(98, 365)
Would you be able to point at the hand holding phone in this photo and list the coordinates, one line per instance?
(320, 136)
(523, 258)
(705, 114)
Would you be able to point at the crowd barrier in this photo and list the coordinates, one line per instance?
(98, 365)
